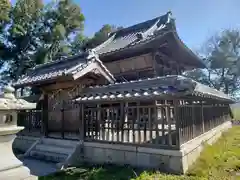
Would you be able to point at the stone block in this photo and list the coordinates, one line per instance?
(117, 156)
(130, 158)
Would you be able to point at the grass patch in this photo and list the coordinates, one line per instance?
(220, 161)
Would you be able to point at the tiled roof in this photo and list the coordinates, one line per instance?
(142, 34)
(172, 85)
(63, 67)
(130, 36)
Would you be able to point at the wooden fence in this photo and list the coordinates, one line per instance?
(160, 124)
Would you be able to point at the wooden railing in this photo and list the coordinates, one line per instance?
(32, 121)
(131, 123)
(196, 119)
(166, 124)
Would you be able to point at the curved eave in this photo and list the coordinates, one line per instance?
(184, 48)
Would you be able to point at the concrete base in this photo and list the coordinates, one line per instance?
(192, 149)
(173, 161)
(10, 167)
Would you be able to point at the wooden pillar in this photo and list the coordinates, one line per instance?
(126, 120)
(122, 120)
(45, 114)
(62, 120)
(21, 94)
(169, 135)
(193, 120)
(108, 124)
(138, 122)
(177, 120)
(16, 92)
(82, 124)
(202, 116)
(98, 122)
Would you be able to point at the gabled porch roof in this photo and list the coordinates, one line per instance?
(166, 86)
(74, 68)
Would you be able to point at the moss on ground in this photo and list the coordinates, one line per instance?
(220, 161)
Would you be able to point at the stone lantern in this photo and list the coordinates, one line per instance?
(10, 167)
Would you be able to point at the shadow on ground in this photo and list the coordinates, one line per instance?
(39, 168)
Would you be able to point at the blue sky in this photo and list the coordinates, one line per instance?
(196, 20)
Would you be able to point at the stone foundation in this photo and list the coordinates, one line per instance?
(192, 149)
(174, 161)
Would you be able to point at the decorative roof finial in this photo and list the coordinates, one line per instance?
(140, 36)
(91, 54)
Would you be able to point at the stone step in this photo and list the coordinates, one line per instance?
(59, 142)
(54, 149)
(48, 156)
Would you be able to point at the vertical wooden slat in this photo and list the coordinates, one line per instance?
(177, 121)
(133, 124)
(168, 119)
(193, 121)
(108, 123)
(112, 122)
(62, 122)
(126, 120)
(98, 120)
(138, 123)
(81, 119)
(145, 112)
(87, 121)
(163, 115)
(150, 124)
(29, 120)
(117, 119)
(122, 120)
(103, 111)
(45, 114)
(202, 118)
(156, 122)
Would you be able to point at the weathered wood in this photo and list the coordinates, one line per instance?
(150, 122)
(126, 120)
(45, 114)
(62, 122)
(177, 121)
(138, 123)
(168, 119)
(163, 117)
(141, 62)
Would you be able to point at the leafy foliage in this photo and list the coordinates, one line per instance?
(82, 43)
(101, 36)
(5, 7)
(222, 55)
(37, 33)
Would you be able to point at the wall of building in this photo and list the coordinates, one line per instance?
(132, 68)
